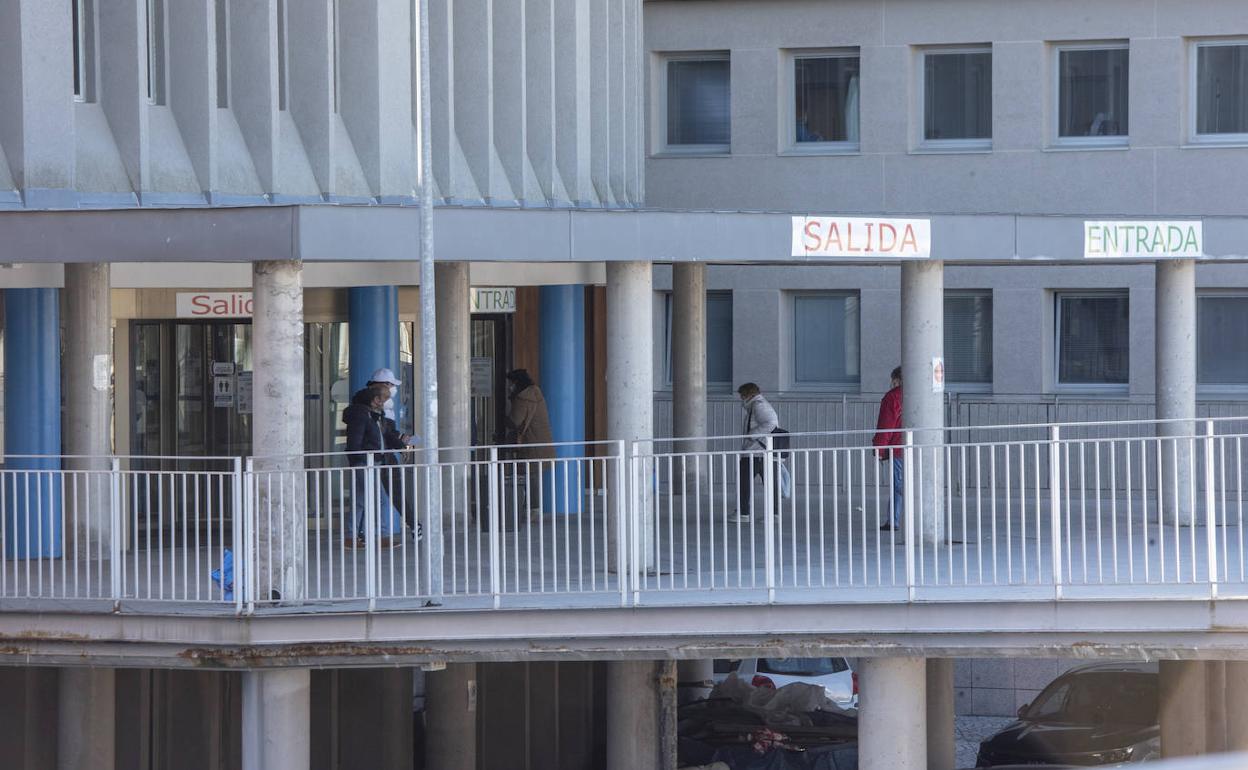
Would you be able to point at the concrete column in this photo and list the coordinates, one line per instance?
(562, 357)
(941, 744)
(277, 719)
(689, 354)
(32, 421)
(85, 726)
(1181, 707)
(1215, 711)
(454, 359)
(88, 363)
(641, 715)
(1176, 381)
(923, 411)
(451, 717)
(1236, 705)
(694, 678)
(277, 429)
(892, 719)
(630, 379)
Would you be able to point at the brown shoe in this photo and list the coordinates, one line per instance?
(353, 543)
(389, 542)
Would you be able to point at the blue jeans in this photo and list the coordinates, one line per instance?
(899, 490)
(385, 511)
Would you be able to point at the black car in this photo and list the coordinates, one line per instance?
(1101, 714)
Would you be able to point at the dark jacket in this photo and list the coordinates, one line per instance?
(370, 431)
(888, 426)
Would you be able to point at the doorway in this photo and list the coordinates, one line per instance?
(491, 360)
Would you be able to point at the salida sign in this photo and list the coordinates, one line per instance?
(214, 304)
(862, 237)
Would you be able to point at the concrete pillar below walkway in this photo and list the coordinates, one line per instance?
(630, 379)
(923, 411)
(454, 362)
(694, 678)
(276, 719)
(85, 725)
(941, 743)
(689, 354)
(451, 716)
(1182, 704)
(1236, 707)
(1176, 381)
(641, 715)
(277, 429)
(892, 720)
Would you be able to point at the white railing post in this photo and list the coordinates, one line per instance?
(1055, 503)
(769, 519)
(496, 583)
(238, 524)
(636, 501)
(116, 560)
(246, 553)
(907, 467)
(1211, 512)
(370, 531)
(621, 519)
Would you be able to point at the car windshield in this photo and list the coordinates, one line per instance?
(801, 666)
(727, 665)
(1109, 697)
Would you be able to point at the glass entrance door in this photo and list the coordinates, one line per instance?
(491, 359)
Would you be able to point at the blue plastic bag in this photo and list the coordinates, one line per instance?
(227, 570)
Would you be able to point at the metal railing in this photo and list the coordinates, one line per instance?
(1112, 509)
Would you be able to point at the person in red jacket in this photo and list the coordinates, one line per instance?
(889, 434)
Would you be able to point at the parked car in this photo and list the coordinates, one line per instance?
(1099, 714)
(833, 674)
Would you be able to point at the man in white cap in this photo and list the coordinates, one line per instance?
(392, 439)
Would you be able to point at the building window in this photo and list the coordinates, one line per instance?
(1220, 85)
(968, 338)
(825, 101)
(282, 85)
(1093, 339)
(957, 98)
(696, 99)
(1221, 345)
(718, 339)
(1092, 94)
(84, 49)
(825, 340)
(156, 51)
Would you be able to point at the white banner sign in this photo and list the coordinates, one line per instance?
(938, 374)
(214, 304)
(862, 237)
(500, 300)
(1117, 240)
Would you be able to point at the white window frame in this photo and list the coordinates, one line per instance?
(659, 133)
(788, 103)
(1055, 124)
(973, 387)
(920, 142)
(1217, 389)
(1105, 388)
(1193, 94)
(791, 343)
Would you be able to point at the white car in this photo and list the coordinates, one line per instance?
(833, 674)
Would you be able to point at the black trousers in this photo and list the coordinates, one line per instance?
(753, 466)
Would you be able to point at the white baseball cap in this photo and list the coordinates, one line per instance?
(386, 376)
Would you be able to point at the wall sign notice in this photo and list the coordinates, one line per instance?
(498, 300)
(223, 391)
(214, 304)
(243, 392)
(862, 237)
(1156, 240)
(938, 374)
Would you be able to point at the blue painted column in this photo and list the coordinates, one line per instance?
(373, 333)
(32, 422)
(562, 358)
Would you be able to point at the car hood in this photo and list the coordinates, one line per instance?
(1051, 741)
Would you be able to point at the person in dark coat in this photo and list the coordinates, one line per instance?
(889, 434)
(527, 417)
(369, 430)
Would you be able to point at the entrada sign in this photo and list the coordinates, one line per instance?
(214, 304)
(862, 237)
(1116, 240)
(500, 300)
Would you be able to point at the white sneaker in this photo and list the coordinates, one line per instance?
(737, 518)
